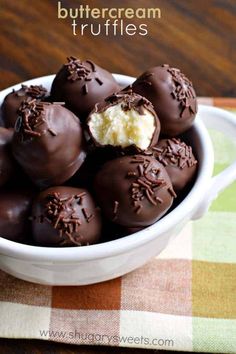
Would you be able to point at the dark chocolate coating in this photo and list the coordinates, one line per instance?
(15, 208)
(14, 99)
(95, 158)
(133, 191)
(7, 164)
(129, 100)
(131, 230)
(65, 216)
(172, 96)
(50, 147)
(82, 84)
(112, 231)
(85, 175)
(178, 160)
(11, 173)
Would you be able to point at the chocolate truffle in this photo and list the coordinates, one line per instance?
(179, 161)
(15, 208)
(122, 120)
(81, 84)
(133, 191)
(65, 216)
(7, 164)
(14, 99)
(172, 95)
(48, 142)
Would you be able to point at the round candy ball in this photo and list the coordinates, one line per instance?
(178, 160)
(133, 191)
(172, 95)
(81, 84)
(13, 100)
(48, 143)
(65, 216)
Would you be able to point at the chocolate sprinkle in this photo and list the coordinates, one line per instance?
(183, 91)
(34, 91)
(147, 182)
(175, 152)
(78, 71)
(116, 205)
(52, 132)
(138, 209)
(31, 114)
(129, 101)
(61, 214)
(99, 80)
(86, 215)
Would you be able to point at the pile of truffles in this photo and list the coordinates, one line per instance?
(91, 161)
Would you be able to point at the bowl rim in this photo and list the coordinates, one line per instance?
(122, 245)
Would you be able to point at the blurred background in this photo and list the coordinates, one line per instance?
(198, 36)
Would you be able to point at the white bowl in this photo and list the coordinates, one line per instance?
(96, 263)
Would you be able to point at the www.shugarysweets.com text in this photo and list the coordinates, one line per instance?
(113, 21)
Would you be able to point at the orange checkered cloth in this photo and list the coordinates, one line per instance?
(184, 299)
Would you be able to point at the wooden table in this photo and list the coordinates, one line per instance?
(196, 36)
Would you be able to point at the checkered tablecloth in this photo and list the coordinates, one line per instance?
(184, 299)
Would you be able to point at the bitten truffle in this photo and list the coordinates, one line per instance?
(48, 142)
(122, 120)
(172, 95)
(7, 164)
(178, 160)
(65, 216)
(133, 191)
(81, 84)
(14, 215)
(13, 100)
